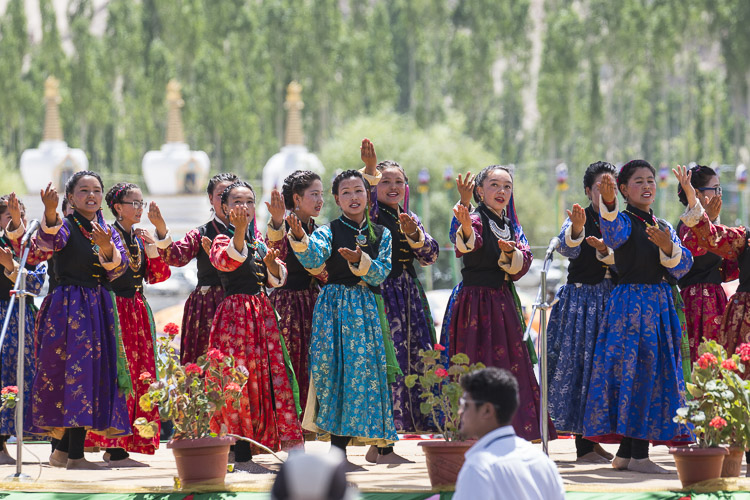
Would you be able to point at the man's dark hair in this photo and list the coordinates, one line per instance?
(496, 386)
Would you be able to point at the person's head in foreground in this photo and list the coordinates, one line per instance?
(489, 401)
(313, 477)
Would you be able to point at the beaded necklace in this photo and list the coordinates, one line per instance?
(361, 239)
(7, 244)
(133, 263)
(394, 217)
(87, 234)
(252, 245)
(652, 224)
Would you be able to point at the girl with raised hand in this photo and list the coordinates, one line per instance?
(245, 327)
(485, 322)
(578, 313)
(701, 290)
(202, 303)
(12, 213)
(80, 384)
(125, 200)
(637, 381)
(406, 305)
(294, 301)
(349, 389)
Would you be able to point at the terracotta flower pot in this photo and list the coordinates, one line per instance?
(698, 464)
(733, 462)
(201, 460)
(444, 460)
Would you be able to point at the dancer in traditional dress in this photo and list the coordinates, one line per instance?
(485, 322)
(125, 200)
(202, 303)
(406, 305)
(349, 390)
(701, 290)
(294, 301)
(578, 313)
(636, 381)
(245, 327)
(77, 386)
(12, 214)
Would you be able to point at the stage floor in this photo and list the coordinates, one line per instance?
(159, 476)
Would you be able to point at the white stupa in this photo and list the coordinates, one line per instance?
(175, 169)
(293, 155)
(53, 160)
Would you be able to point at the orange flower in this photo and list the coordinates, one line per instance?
(439, 347)
(9, 389)
(144, 376)
(707, 360)
(729, 364)
(441, 372)
(718, 423)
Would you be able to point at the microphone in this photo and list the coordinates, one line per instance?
(33, 228)
(553, 244)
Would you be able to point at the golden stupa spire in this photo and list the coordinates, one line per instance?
(174, 115)
(294, 105)
(52, 128)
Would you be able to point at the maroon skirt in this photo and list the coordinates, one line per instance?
(200, 308)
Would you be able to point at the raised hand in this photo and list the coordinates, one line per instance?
(206, 244)
(369, 158)
(154, 215)
(661, 238)
(145, 236)
(50, 200)
(462, 214)
(295, 226)
(683, 175)
(353, 256)
(271, 263)
(103, 239)
(597, 243)
(408, 225)
(608, 189)
(6, 258)
(578, 219)
(14, 208)
(240, 219)
(712, 207)
(465, 188)
(276, 208)
(506, 246)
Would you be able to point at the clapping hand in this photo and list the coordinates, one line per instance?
(578, 219)
(608, 189)
(353, 256)
(271, 263)
(597, 243)
(368, 156)
(661, 238)
(465, 187)
(408, 225)
(276, 208)
(154, 215)
(295, 225)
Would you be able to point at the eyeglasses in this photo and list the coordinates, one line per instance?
(462, 402)
(135, 204)
(716, 190)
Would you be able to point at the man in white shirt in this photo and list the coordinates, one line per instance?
(500, 465)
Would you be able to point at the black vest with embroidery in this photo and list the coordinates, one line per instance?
(744, 264)
(344, 237)
(131, 281)
(706, 269)
(248, 279)
(298, 278)
(402, 256)
(637, 259)
(207, 273)
(480, 266)
(6, 285)
(77, 264)
(586, 268)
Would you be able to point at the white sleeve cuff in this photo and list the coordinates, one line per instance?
(298, 246)
(692, 215)
(363, 266)
(569, 241)
(419, 242)
(606, 213)
(511, 264)
(372, 179)
(152, 252)
(465, 246)
(17, 233)
(116, 259)
(671, 261)
(12, 275)
(275, 282)
(608, 258)
(274, 234)
(54, 229)
(234, 254)
(316, 270)
(164, 243)
(470, 207)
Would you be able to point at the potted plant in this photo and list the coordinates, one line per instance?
(440, 392)
(718, 412)
(190, 395)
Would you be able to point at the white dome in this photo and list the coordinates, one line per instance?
(175, 169)
(53, 161)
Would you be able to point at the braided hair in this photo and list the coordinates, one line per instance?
(700, 177)
(356, 174)
(73, 181)
(218, 179)
(116, 194)
(482, 176)
(296, 183)
(386, 164)
(595, 170)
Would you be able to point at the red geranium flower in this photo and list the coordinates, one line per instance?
(193, 368)
(439, 347)
(729, 364)
(718, 423)
(441, 372)
(9, 389)
(707, 360)
(216, 354)
(233, 387)
(171, 329)
(144, 376)
(744, 351)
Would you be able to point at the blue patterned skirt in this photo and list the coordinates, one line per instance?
(9, 362)
(636, 381)
(348, 375)
(571, 337)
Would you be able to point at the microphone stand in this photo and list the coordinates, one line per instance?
(19, 290)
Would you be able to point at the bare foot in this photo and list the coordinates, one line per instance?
(592, 458)
(350, 467)
(602, 452)
(82, 464)
(393, 458)
(125, 462)
(646, 466)
(5, 458)
(620, 463)
(372, 455)
(58, 459)
(251, 468)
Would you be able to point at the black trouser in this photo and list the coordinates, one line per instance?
(583, 446)
(242, 451)
(340, 442)
(117, 454)
(72, 442)
(633, 448)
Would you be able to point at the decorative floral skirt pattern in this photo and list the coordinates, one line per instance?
(735, 325)
(9, 361)
(197, 318)
(705, 304)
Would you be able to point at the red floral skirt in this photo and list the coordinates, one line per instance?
(197, 318)
(705, 304)
(245, 327)
(735, 327)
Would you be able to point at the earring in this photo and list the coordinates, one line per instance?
(296, 208)
(503, 212)
(119, 217)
